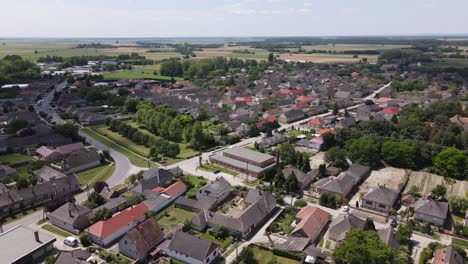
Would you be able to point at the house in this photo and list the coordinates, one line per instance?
(196, 205)
(105, 232)
(389, 237)
(71, 217)
(316, 143)
(310, 222)
(460, 120)
(379, 198)
(77, 256)
(175, 190)
(6, 171)
(22, 245)
(431, 211)
(140, 240)
(218, 189)
(113, 205)
(291, 116)
(347, 122)
(316, 123)
(342, 224)
(389, 112)
(53, 154)
(358, 172)
(46, 174)
(243, 160)
(153, 178)
(274, 140)
(81, 160)
(339, 186)
(365, 112)
(190, 249)
(447, 255)
(303, 179)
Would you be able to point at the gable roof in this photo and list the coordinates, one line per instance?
(312, 221)
(213, 188)
(175, 188)
(69, 212)
(145, 235)
(382, 195)
(340, 184)
(358, 171)
(191, 246)
(432, 208)
(108, 227)
(47, 173)
(342, 224)
(447, 255)
(388, 236)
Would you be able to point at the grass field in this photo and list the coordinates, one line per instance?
(259, 54)
(457, 63)
(460, 242)
(14, 158)
(354, 47)
(136, 74)
(221, 243)
(198, 183)
(133, 157)
(121, 140)
(92, 176)
(212, 167)
(56, 230)
(264, 257)
(174, 216)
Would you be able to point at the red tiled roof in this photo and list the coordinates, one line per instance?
(243, 99)
(312, 221)
(391, 110)
(325, 130)
(108, 227)
(146, 235)
(269, 119)
(317, 140)
(299, 105)
(158, 189)
(316, 121)
(304, 98)
(278, 95)
(383, 100)
(175, 188)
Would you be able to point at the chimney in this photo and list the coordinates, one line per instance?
(36, 236)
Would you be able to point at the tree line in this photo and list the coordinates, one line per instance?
(15, 69)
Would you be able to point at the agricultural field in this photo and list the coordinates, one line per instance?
(354, 47)
(229, 52)
(327, 58)
(426, 181)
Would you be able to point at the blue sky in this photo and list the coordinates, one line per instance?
(198, 18)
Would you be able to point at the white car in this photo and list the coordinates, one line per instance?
(345, 208)
(71, 241)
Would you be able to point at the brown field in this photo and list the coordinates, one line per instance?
(426, 181)
(355, 47)
(327, 58)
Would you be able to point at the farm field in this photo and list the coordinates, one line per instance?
(426, 181)
(259, 54)
(354, 47)
(136, 74)
(327, 58)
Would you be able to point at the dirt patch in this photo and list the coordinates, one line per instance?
(426, 181)
(317, 159)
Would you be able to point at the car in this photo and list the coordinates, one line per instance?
(345, 208)
(216, 171)
(71, 241)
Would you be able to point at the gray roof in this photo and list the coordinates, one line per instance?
(155, 201)
(300, 176)
(432, 208)
(342, 223)
(153, 178)
(248, 154)
(204, 203)
(113, 204)
(213, 188)
(47, 173)
(451, 256)
(340, 184)
(69, 212)
(19, 241)
(293, 115)
(77, 256)
(191, 246)
(297, 244)
(358, 171)
(388, 236)
(382, 195)
(239, 164)
(81, 157)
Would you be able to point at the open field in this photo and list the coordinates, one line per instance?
(259, 54)
(14, 158)
(327, 58)
(134, 159)
(92, 176)
(136, 74)
(264, 257)
(426, 181)
(354, 47)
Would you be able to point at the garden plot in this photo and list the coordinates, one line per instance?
(426, 181)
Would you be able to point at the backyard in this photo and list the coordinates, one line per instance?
(172, 216)
(265, 257)
(14, 158)
(283, 223)
(197, 182)
(101, 173)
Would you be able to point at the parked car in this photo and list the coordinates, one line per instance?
(216, 171)
(71, 241)
(345, 208)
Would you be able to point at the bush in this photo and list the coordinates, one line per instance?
(284, 253)
(300, 203)
(84, 239)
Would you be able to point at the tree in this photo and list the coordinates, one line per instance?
(327, 199)
(131, 104)
(363, 247)
(300, 203)
(247, 256)
(453, 163)
(292, 185)
(439, 190)
(22, 182)
(403, 234)
(271, 57)
(305, 162)
(399, 154)
(328, 140)
(95, 200)
(369, 225)
(68, 130)
(458, 204)
(84, 239)
(364, 150)
(220, 232)
(322, 170)
(336, 157)
(335, 109)
(49, 260)
(16, 125)
(102, 214)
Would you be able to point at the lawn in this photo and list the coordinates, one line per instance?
(94, 175)
(172, 216)
(121, 140)
(136, 74)
(56, 230)
(283, 222)
(198, 183)
(212, 167)
(264, 257)
(221, 243)
(460, 242)
(19, 215)
(132, 156)
(14, 158)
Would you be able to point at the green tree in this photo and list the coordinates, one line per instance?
(363, 247)
(16, 125)
(453, 163)
(247, 256)
(69, 130)
(131, 104)
(369, 225)
(328, 140)
(102, 214)
(84, 239)
(399, 154)
(292, 184)
(271, 57)
(336, 157)
(458, 204)
(403, 234)
(327, 199)
(364, 150)
(439, 190)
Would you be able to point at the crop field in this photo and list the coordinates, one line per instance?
(327, 58)
(425, 182)
(258, 54)
(354, 47)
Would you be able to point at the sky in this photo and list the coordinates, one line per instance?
(239, 18)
